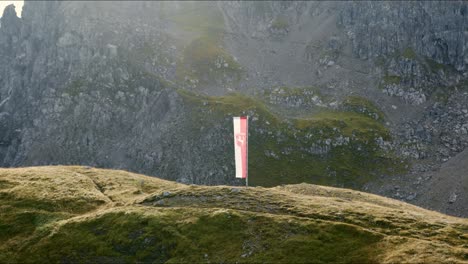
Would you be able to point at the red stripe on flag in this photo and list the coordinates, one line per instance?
(243, 130)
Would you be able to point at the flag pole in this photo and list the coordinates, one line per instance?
(247, 153)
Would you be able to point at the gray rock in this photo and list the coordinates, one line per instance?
(452, 198)
(235, 190)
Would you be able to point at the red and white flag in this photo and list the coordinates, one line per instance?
(241, 137)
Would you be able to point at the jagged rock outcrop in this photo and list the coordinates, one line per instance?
(433, 29)
(75, 90)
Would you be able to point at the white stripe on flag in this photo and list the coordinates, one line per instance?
(237, 148)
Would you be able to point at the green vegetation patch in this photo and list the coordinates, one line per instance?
(331, 148)
(202, 17)
(77, 205)
(280, 23)
(391, 79)
(441, 95)
(6, 184)
(77, 86)
(194, 236)
(380, 61)
(362, 105)
(30, 204)
(148, 52)
(21, 218)
(296, 101)
(349, 123)
(434, 66)
(206, 61)
(306, 93)
(409, 53)
(233, 104)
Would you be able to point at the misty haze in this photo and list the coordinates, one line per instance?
(234, 131)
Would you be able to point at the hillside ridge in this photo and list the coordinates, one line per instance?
(83, 214)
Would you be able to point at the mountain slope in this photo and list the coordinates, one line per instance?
(99, 84)
(71, 214)
(452, 181)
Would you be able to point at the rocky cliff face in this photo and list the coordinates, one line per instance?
(340, 93)
(436, 30)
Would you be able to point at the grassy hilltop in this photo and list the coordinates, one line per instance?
(80, 214)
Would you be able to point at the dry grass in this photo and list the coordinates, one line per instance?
(74, 199)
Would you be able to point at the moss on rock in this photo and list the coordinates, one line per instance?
(364, 106)
(280, 23)
(207, 62)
